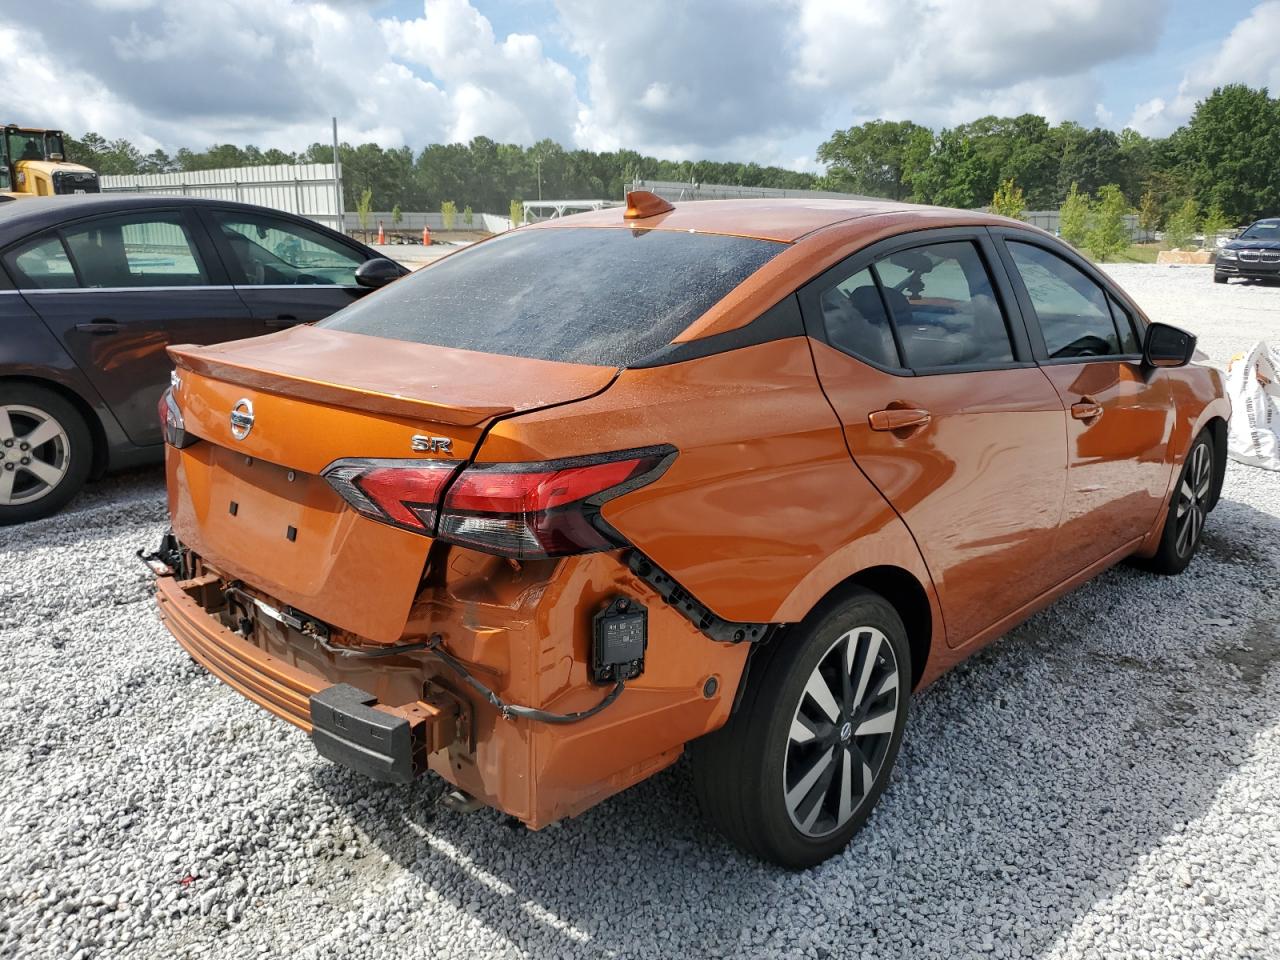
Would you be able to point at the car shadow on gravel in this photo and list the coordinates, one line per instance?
(1034, 783)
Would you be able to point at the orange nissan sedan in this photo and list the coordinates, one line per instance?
(730, 476)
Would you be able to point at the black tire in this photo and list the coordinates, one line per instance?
(745, 773)
(1219, 278)
(63, 460)
(1189, 504)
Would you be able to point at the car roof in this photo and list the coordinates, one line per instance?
(29, 214)
(784, 219)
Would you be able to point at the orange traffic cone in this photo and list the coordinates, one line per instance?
(426, 236)
(382, 234)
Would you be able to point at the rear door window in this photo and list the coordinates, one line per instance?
(1072, 310)
(152, 249)
(41, 264)
(856, 321)
(581, 295)
(944, 307)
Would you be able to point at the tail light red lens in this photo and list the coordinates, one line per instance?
(171, 422)
(403, 493)
(520, 510)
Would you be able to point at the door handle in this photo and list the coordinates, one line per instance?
(1087, 409)
(100, 326)
(284, 320)
(896, 418)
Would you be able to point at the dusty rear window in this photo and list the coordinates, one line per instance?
(585, 295)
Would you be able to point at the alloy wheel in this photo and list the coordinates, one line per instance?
(35, 454)
(1193, 499)
(841, 731)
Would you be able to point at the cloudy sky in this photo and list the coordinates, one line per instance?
(725, 79)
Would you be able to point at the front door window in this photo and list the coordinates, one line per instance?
(270, 251)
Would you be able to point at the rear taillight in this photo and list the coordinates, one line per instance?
(403, 493)
(171, 422)
(520, 510)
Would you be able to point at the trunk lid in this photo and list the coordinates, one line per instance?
(256, 506)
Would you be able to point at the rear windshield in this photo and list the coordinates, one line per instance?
(584, 295)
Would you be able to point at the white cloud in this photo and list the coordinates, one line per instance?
(687, 78)
(940, 61)
(506, 90)
(272, 72)
(66, 97)
(1247, 55)
(747, 80)
(762, 80)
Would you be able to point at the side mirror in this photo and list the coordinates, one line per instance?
(378, 272)
(1167, 346)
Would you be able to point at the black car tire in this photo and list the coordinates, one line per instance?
(1219, 277)
(64, 459)
(748, 774)
(1192, 495)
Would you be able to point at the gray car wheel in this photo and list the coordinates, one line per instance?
(45, 452)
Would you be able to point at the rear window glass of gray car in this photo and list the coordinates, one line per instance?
(42, 264)
(584, 295)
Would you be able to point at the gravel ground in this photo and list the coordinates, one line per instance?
(1104, 782)
(1227, 318)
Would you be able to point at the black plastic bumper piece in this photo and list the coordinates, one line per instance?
(346, 729)
(697, 613)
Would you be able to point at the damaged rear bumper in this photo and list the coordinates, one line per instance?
(347, 725)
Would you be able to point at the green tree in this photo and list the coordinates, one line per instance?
(1008, 200)
(1137, 155)
(1073, 223)
(1087, 158)
(1013, 148)
(869, 159)
(448, 213)
(516, 211)
(157, 161)
(1108, 232)
(1215, 222)
(114, 157)
(956, 172)
(1180, 230)
(363, 206)
(467, 216)
(397, 216)
(1231, 149)
(1149, 215)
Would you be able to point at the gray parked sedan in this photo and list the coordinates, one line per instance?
(1254, 255)
(94, 288)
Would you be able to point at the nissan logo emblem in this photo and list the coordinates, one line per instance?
(242, 419)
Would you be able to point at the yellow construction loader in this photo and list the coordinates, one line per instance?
(33, 164)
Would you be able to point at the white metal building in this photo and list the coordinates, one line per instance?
(307, 189)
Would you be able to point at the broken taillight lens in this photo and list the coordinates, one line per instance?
(520, 510)
(171, 422)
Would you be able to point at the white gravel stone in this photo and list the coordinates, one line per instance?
(1104, 782)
